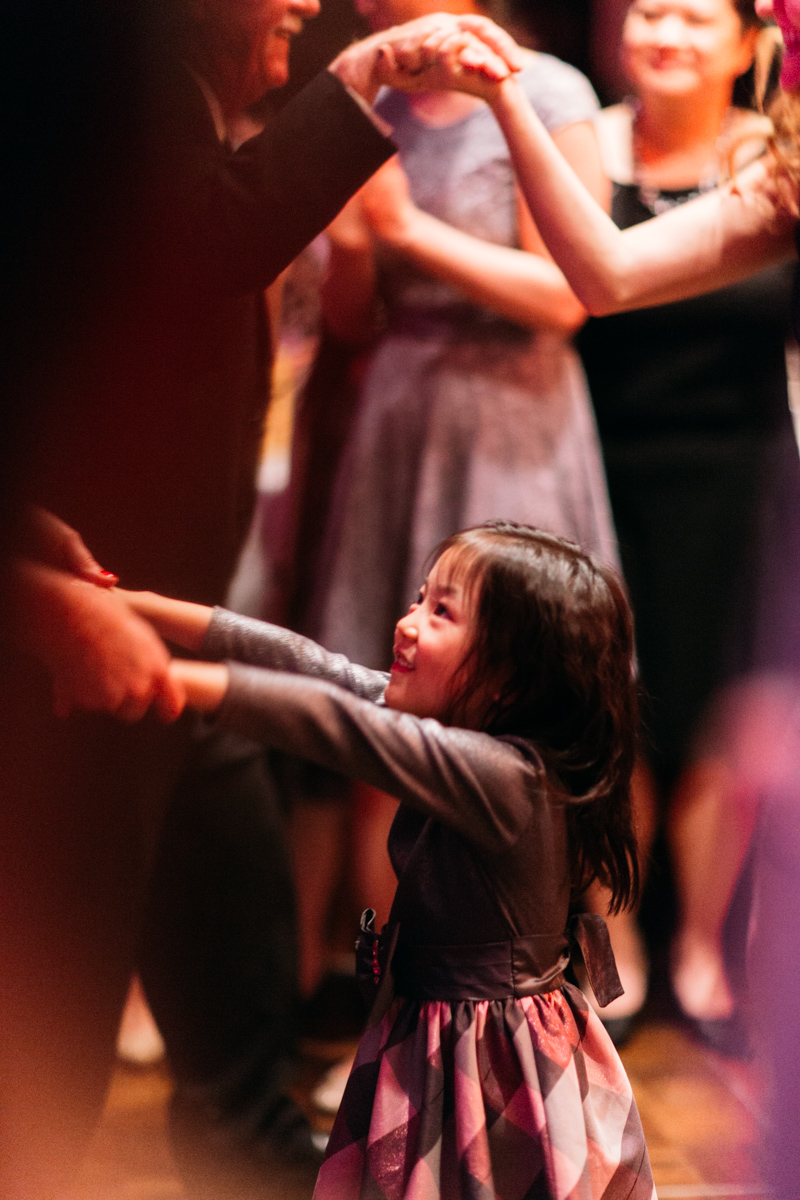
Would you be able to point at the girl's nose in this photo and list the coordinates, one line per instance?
(407, 627)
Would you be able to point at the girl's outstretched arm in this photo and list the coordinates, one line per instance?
(205, 684)
(178, 621)
(717, 239)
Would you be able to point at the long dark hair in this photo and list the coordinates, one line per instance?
(554, 629)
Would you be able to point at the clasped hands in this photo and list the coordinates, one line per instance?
(62, 609)
(441, 51)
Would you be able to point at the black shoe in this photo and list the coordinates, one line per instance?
(220, 1159)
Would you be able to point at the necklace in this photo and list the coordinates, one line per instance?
(658, 200)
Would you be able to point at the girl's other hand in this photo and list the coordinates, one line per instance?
(386, 202)
(204, 684)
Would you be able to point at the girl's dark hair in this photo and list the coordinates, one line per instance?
(554, 629)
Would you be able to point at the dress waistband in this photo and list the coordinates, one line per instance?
(520, 966)
(421, 321)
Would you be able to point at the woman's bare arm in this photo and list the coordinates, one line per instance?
(718, 239)
(523, 285)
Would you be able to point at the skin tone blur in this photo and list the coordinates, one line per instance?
(680, 59)
(522, 284)
(787, 15)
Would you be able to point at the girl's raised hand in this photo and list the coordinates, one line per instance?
(473, 56)
(205, 684)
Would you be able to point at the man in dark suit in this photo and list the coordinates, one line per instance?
(138, 348)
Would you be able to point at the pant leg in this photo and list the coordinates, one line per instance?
(219, 967)
(80, 804)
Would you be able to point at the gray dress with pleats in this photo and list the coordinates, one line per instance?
(464, 416)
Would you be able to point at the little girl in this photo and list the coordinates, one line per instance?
(506, 729)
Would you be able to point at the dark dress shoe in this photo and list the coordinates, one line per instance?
(220, 1156)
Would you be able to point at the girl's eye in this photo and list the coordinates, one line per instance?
(441, 610)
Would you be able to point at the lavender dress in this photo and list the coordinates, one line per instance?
(464, 416)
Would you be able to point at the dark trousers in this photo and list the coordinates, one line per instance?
(218, 958)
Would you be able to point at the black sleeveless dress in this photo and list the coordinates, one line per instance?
(692, 407)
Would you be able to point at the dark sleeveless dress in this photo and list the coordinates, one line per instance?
(691, 404)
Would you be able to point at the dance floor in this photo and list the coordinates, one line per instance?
(703, 1116)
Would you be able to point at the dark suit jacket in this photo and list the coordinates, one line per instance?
(151, 408)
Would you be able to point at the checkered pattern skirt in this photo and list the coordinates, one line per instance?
(512, 1099)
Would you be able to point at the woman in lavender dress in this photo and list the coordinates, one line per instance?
(474, 404)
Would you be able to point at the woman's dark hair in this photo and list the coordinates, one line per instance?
(746, 12)
(554, 629)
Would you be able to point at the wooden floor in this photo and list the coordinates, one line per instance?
(702, 1115)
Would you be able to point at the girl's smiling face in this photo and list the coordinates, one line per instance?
(432, 642)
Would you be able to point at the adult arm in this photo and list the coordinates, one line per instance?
(237, 219)
(481, 787)
(524, 285)
(715, 240)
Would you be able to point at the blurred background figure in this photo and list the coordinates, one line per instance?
(691, 402)
(447, 337)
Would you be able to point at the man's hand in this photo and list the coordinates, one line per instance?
(433, 53)
(101, 655)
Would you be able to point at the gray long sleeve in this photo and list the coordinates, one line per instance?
(319, 706)
(264, 645)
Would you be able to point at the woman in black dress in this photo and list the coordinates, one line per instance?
(691, 402)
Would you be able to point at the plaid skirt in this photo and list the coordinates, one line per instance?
(512, 1099)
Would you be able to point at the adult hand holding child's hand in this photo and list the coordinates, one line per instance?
(434, 52)
(101, 655)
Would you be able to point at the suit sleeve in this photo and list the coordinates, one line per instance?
(482, 787)
(242, 217)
